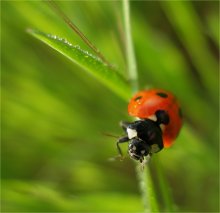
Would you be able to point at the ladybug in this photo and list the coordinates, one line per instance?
(158, 124)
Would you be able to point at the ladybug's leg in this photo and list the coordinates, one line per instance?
(121, 140)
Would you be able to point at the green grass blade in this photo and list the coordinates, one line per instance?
(188, 26)
(144, 177)
(107, 75)
(130, 55)
(147, 189)
(213, 25)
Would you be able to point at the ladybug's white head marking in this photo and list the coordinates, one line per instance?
(162, 127)
(132, 133)
(153, 118)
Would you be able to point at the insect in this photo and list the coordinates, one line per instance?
(159, 122)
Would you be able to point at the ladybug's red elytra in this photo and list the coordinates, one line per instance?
(159, 122)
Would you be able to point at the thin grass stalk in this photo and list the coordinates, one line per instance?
(144, 177)
(130, 55)
(147, 189)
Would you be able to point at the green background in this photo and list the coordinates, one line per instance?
(55, 152)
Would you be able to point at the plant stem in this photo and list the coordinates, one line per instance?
(144, 177)
(147, 189)
(130, 56)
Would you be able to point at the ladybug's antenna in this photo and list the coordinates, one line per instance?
(110, 135)
(61, 14)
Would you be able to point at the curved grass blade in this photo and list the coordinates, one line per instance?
(107, 75)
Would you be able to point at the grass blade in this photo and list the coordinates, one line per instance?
(213, 25)
(107, 75)
(130, 55)
(147, 189)
(188, 26)
(144, 176)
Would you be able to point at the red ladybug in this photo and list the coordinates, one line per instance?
(159, 122)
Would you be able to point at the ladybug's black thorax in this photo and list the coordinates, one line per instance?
(148, 132)
(144, 136)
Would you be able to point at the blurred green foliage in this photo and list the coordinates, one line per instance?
(54, 153)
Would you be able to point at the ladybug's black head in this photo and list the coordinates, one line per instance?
(138, 149)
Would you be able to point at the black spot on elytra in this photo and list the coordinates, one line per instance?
(162, 94)
(162, 117)
(138, 98)
(180, 113)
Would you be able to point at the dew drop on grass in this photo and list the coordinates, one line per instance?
(76, 46)
(86, 53)
(55, 37)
